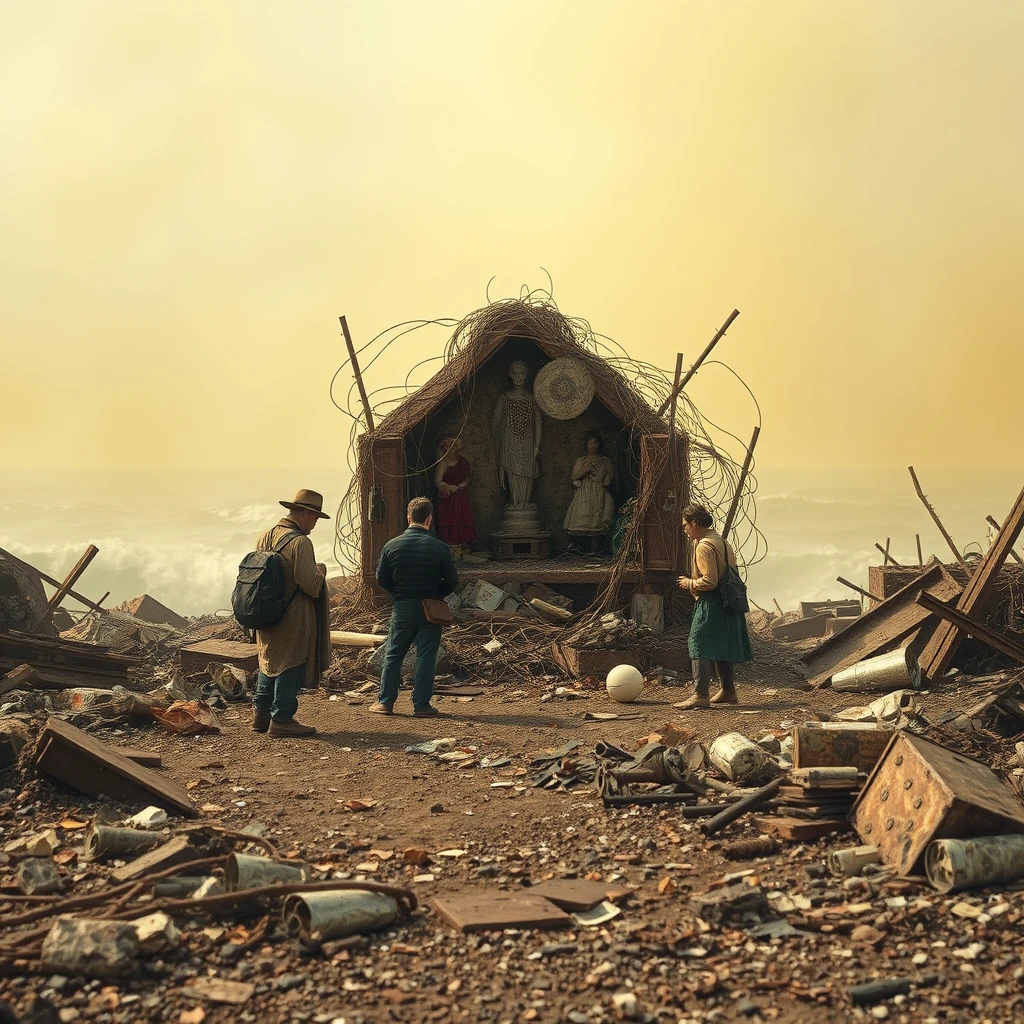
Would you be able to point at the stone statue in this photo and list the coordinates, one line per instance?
(517, 425)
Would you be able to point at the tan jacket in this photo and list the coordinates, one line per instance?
(708, 564)
(293, 640)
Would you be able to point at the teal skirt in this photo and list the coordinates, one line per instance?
(717, 634)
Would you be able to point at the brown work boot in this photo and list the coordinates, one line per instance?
(382, 709)
(290, 727)
(696, 701)
(260, 720)
(725, 696)
(425, 711)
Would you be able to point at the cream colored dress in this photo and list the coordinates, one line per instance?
(592, 509)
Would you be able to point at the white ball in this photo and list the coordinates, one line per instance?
(624, 683)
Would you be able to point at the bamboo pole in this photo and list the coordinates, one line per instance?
(700, 359)
(739, 484)
(936, 519)
(920, 557)
(860, 590)
(355, 372)
(992, 522)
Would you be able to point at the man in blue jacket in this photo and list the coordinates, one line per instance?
(413, 566)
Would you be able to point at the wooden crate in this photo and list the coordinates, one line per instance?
(920, 791)
(196, 657)
(582, 661)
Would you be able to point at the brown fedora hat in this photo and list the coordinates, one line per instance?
(308, 501)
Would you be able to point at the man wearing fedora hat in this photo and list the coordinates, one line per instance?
(287, 652)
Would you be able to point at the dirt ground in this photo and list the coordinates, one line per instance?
(656, 961)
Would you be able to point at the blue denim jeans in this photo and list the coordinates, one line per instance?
(408, 623)
(280, 694)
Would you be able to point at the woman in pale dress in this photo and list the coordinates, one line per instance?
(591, 511)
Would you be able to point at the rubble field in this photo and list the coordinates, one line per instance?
(690, 934)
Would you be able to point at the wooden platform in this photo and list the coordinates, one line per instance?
(566, 569)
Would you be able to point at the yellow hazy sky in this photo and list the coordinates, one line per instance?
(192, 192)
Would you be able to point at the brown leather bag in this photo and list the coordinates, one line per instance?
(437, 611)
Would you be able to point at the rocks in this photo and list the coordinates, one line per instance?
(375, 662)
(95, 949)
(38, 876)
(739, 903)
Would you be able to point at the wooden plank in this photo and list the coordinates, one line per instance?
(22, 677)
(969, 626)
(735, 504)
(383, 500)
(72, 578)
(842, 746)
(488, 911)
(94, 605)
(92, 767)
(176, 851)
(803, 629)
(582, 661)
(795, 828)
(887, 623)
(575, 894)
(226, 652)
(939, 652)
(147, 758)
(662, 525)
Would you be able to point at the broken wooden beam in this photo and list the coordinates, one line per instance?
(96, 769)
(936, 519)
(23, 677)
(992, 522)
(971, 626)
(940, 650)
(356, 373)
(859, 590)
(72, 578)
(94, 605)
(889, 560)
(880, 628)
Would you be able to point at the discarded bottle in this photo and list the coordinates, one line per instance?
(953, 864)
(319, 916)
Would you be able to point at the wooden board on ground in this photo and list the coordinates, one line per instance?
(815, 797)
(458, 691)
(487, 911)
(583, 661)
(574, 894)
(938, 653)
(817, 813)
(803, 629)
(175, 851)
(147, 758)
(851, 744)
(886, 624)
(795, 828)
(96, 769)
(196, 657)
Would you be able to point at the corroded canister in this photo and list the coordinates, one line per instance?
(319, 916)
(852, 860)
(893, 671)
(244, 872)
(953, 864)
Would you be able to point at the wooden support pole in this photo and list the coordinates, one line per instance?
(778, 607)
(355, 372)
(992, 522)
(672, 409)
(739, 484)
(860, 590)
(920, 557)
(62, 590)
(700, 359)
(94, 605)
(940, 650)
(936, 519)
(888, 559)
(968, 625)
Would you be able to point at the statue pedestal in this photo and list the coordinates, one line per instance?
(520, 534)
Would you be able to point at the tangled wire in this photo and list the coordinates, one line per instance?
(639, 387)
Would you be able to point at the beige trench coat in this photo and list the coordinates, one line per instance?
(293, 640)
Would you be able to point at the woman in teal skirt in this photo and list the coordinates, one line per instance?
(718, 637)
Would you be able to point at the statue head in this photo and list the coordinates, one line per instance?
(519, 371)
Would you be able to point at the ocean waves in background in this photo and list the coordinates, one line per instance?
(179, 535)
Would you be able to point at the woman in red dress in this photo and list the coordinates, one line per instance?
(454, 512)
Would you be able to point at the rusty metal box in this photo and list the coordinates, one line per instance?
(920, 791)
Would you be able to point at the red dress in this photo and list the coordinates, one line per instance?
(454, 513)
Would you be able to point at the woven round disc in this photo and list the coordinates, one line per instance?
(563, 388)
